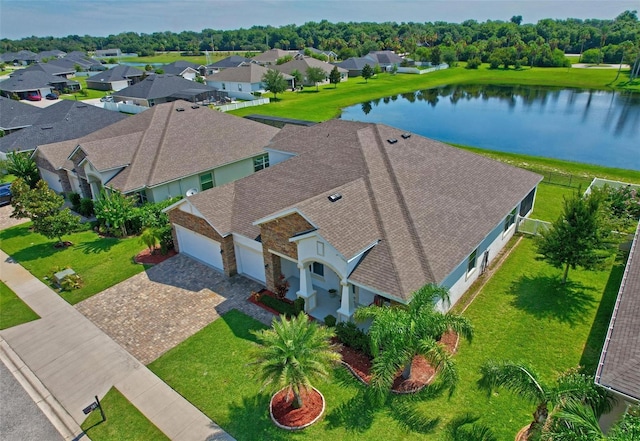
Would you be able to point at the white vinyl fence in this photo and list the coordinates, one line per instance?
(415, 70)
(531, 226)
(125, 108)
(243, 104)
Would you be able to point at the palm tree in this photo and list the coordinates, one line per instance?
(400, 333)
(576, 421)
(293, 353)
(524, 381)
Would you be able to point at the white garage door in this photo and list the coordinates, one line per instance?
(250, 262)
(52, 179)
(199, 247)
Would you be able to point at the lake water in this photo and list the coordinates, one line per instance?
(588, 126)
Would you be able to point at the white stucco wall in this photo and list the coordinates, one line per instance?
(276, 156)
(308, 251)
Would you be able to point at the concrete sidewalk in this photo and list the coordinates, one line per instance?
(74, 360)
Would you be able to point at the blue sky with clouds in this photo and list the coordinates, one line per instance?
(22, 18)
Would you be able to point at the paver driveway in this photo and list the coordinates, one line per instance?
(156, 310)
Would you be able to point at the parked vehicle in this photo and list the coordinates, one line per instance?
(51, 96)
(34, 97)
(5, 194)
(107, 99)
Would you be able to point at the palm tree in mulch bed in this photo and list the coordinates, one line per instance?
(400, 333)
(294, 353)
(524, 381)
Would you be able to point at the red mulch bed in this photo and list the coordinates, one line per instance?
(285, 414)
(147, 258)
(422, 372)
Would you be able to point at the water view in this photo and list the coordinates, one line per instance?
(588, 126)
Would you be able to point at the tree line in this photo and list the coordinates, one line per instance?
(467, 39)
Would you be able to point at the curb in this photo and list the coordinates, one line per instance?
(52, 409)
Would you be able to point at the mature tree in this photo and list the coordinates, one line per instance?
(316, 75)
(334, 76)
(577, 237)
(294, 353)
(525, 382)
(367, 72)
(274, 82)
(57, 224)
(297, 77)
(22, 165)
(400, 333)
(114, 209)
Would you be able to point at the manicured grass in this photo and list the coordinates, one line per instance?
(522, 314)
(13, 311)
(90, 93)
(100, 262)
(326, 104)
(170, 57)
(124, 421)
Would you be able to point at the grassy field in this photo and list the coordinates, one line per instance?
(328, 102)
(90, 93)
(170, 57)
(13, 311)
(124, 421)
(101, 262)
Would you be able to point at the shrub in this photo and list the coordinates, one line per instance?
(330, 321)
(349, 334)
(474, 63)
(278, 305)
(75, 198)
(298, 305)
(70, 282)
(86, 207)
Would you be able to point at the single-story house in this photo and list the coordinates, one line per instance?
(619, 367)
(61, 121)
(226, 63)
(78, 62)
(28, 82)
(169, 150)
(301, 65)
(241, 82)
(270, 57)
(116, 78)
(185, 69)
(354, 65)
(65, 72)
(330, 55)
(15, 115)
(23, 57)
(108, 53)
(157, 89)
(55, 53)
(363, 209)
(385, 59)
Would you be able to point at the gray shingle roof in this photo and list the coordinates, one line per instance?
(51, 69)
(356, 63)
(232, 61)
(271, 56)
(116, 73)
(619, 367)
(303, 64)
(251, 73)
(160, 86)
(61, 121)
(14, 114)
(428, 204)
(25, 81)
(163, 144)
(385, 57)
(178, 67)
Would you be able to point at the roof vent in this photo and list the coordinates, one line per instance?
(195, 106)
(335, 197)
(46, 127)
(406, 135)
(392, 140)
(180, 109)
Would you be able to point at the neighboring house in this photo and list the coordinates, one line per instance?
(15, 115)
(331, 55)
(78, 63)
(619, 367)
(65, 72)
(51, 54)
(19, 58)
(363, 209)
(226, 63)
(301, 65)
(385, 59)
(188, 71)
(241, 82)
(61, 121)
(169, 150)
(108, 53)
(157, 89)
(116, 78)
(354, 65)
(270, 57)
(29, 82)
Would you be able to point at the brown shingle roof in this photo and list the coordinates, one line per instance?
(619, 367)
(427, 203)
(251, 73)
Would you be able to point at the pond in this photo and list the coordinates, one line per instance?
(595, 127)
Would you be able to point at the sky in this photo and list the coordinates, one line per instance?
(99, 18)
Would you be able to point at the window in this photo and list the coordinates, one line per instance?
(206, 181)
(239, 87)
(260, 162)
(317, 269)
(510, 220)
(471, 265)
(224, 86)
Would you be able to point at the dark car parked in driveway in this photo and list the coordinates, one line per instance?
(51, 96)
(5, 194)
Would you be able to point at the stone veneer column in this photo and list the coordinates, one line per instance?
(306, 288)
(272, 269)
(347, 308)
(229, 256)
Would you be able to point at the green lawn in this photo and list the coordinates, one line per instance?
(13, 311)
(523, 314)
(328, 102)
(124, 421)
(91, 93)
(100, 262)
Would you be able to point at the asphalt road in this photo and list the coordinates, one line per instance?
(20, 417)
